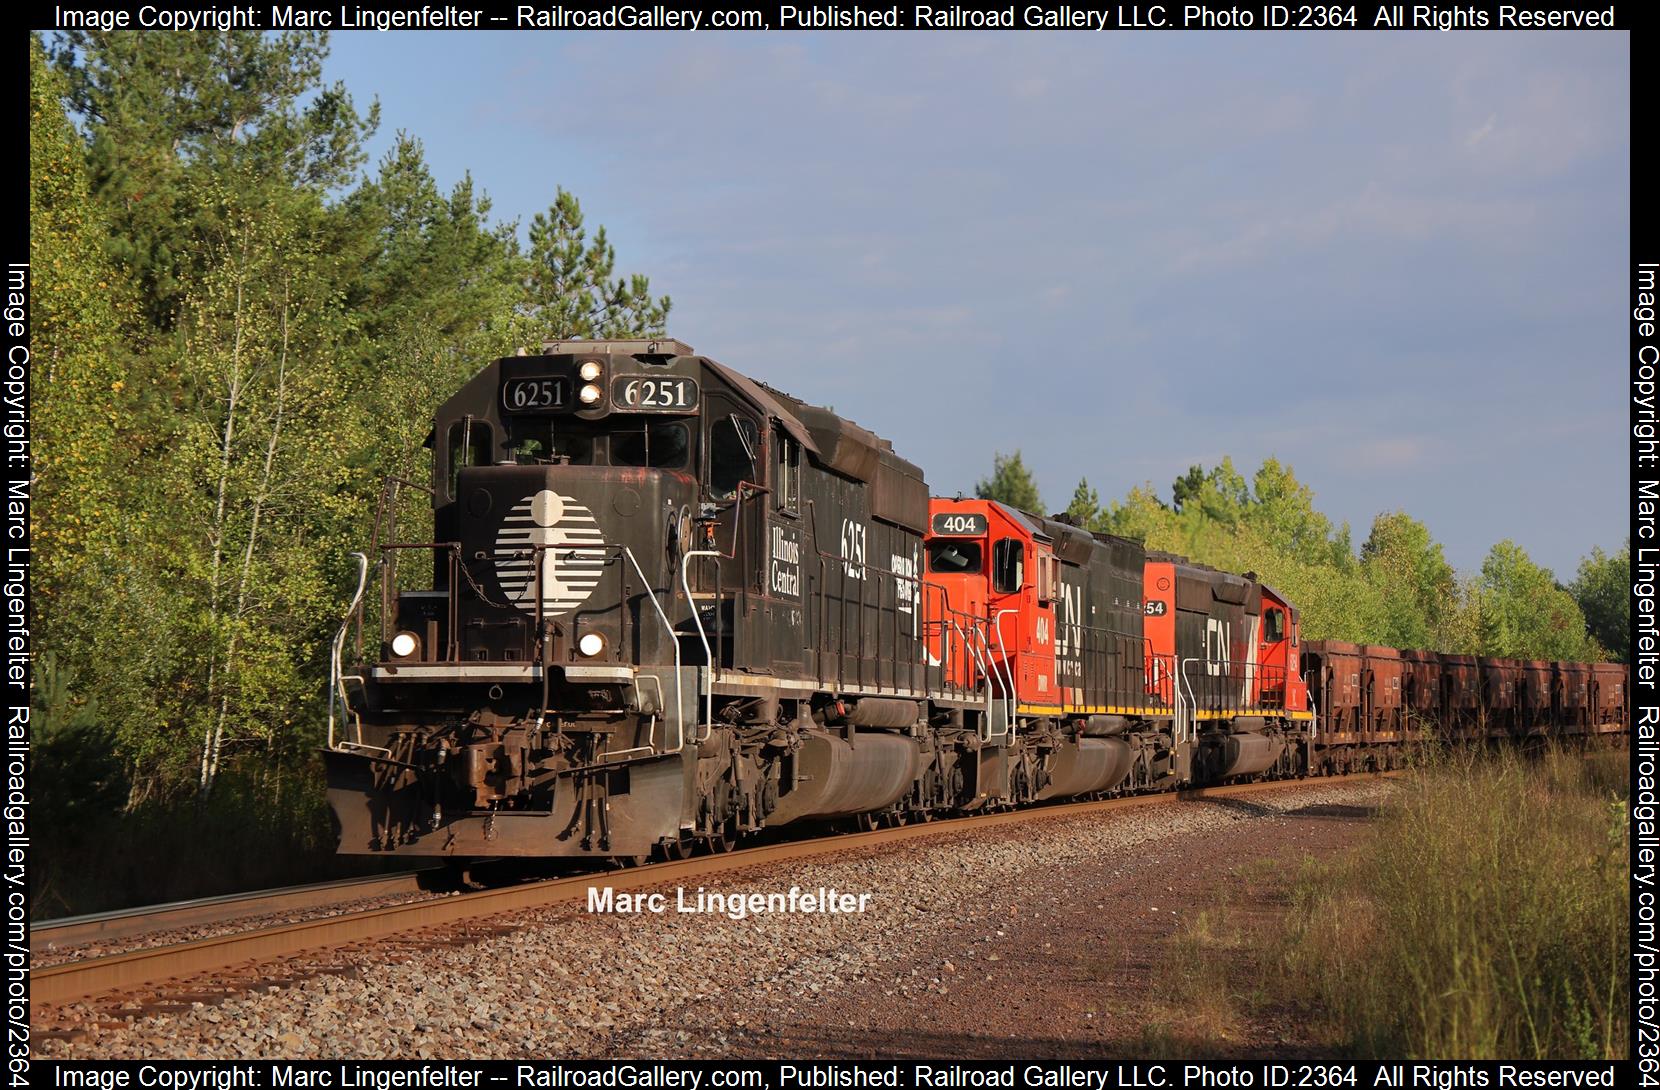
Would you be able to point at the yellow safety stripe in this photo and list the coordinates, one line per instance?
(1269, 713)
(1057, 709)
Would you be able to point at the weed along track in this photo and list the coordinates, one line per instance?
(78, 999)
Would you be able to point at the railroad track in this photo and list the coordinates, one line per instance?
(174, 965)
(126, 922)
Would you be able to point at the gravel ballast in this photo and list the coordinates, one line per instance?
(576, 984)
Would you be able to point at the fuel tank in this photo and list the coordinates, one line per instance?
(1246, 754)
(835, 778)
(1090, 764)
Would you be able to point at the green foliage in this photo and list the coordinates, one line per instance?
(1269, 526)
(1603, 591)
(1399, 591)
(1011, 483)
(237, 337)
(1419, 589)
(87, 340)
(1085, 508)
(164, 111)
(1525, 614)
(568, 285)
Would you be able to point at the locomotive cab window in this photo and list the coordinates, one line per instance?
(788, 478)
(1008, 565)
(544, 442)
(657, 445)
(1273, 626)
(950, 557)
(1048, 578)
(734, 446)
(470, 445)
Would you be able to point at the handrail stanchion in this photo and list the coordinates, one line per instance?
(679, 695)
(1193, 699)
(1009, 696)
(337, 684)
(706, 682)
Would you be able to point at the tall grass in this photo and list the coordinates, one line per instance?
(1486, 918)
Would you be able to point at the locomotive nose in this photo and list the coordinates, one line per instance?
(561, 557)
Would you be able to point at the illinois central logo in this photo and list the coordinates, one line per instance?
(572, 563)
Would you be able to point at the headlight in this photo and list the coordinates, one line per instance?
(591, 644)
(589, 370)
(404, 644)
(589, 394)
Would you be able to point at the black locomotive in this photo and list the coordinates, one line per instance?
(667, 605)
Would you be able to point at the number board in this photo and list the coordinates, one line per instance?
(654, 394)
(955, 525)
(536, 394)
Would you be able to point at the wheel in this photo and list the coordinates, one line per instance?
(723, 840)
(674, 850)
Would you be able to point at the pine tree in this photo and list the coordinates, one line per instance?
(569, 292)
(163, 110)
(1011, 483)
(1085, 508)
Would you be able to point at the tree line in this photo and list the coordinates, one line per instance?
(241, 327)
(1397, 590)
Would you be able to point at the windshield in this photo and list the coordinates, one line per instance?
(953, 556)
(548, 442)
(657, 445)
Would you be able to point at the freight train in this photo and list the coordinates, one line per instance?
(663, 606)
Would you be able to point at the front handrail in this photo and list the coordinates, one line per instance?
(1193, 699)
(679, 697)
(706, 682)
(1007, 672)
(1178, 735)
(985, 672)
(389, 593)
(989, 669)
(337, 683)
(1313, 714)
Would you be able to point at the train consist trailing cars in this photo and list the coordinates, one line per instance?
(663, 605)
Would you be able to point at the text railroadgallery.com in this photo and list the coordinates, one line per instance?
(1645, 666)
(1022, 15)
(14, 542)
(776, 1075)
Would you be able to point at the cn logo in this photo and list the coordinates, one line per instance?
(1217, 639)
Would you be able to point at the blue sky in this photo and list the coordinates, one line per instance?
(1395, 261)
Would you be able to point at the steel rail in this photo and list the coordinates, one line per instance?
(125, 922)
(65, 983)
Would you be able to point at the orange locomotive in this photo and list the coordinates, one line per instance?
(1117, 668)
